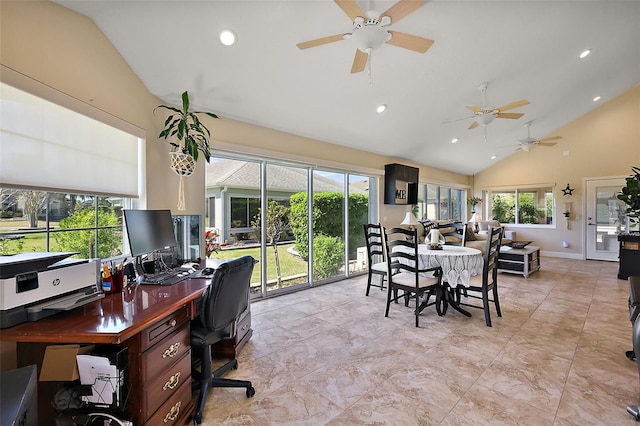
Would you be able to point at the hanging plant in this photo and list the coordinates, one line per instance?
(187, 136)
(630, 195)
(185, 127)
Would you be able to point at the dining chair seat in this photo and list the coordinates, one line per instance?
(380, 267)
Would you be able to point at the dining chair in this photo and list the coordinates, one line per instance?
(404, 274)
(224, 300)
(375, 255)
(483, 286)
(454, 233)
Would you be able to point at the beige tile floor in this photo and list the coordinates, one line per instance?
(328, 356)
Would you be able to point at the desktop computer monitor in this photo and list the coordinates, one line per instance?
(149, 231)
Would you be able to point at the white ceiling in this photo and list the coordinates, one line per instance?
(523, 49)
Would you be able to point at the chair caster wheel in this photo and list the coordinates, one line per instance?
(635, 412)
(250, 392)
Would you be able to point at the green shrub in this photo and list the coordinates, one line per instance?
(328, 218)
(6, 214)
(328, 256)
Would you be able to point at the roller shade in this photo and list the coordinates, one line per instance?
(49, 147)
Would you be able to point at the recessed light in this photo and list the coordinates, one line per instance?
(454, 140)
(227, 37)
(381, 108)
(584, 54)
(596, 99)
(493, 157)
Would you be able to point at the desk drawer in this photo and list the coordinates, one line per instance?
(165, 353)
(174, 410)
(168, 325)
(158, 390)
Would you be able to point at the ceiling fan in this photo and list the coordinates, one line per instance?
(484, 115)
(370, 32)
(529, 142)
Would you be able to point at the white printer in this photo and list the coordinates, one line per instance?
(39, 284)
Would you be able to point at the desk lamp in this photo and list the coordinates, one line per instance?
(475, 218)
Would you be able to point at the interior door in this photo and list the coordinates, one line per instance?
(605, 218)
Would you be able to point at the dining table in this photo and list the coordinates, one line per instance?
(458, 265)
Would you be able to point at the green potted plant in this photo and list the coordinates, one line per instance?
(630, 195)
(184, 131)
(187, 136)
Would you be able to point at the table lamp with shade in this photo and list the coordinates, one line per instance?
(410, 219)
(475, 218)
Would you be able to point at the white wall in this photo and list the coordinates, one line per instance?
(602, 143)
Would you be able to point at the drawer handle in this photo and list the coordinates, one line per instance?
(171, 350)
(245, 327)
(173, 382)
(172, 323)
(173, 414)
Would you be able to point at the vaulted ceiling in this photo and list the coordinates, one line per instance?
(524, 49)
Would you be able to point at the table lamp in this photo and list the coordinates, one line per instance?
(475, 218)
(410, 219)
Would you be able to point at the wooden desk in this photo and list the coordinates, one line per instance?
(153, 322)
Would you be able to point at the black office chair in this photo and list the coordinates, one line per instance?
(222, 303)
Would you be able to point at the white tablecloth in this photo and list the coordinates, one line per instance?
(458, 263)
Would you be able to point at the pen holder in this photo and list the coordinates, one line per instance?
(116, 281)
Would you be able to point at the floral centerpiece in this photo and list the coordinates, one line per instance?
(473, 202)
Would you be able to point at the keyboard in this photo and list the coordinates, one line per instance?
(169, 277)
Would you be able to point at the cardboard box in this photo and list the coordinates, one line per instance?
(59, 363)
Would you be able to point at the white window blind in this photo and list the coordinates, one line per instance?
(49, 147)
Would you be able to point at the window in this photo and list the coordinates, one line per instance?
(33, 220)
(531, 206)
(440, 202)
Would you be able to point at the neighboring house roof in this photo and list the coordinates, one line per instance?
(246, 174)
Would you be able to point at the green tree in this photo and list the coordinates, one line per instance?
(83, 241)
(503, 208)
(277, 221)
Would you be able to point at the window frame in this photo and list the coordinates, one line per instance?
(549, 189)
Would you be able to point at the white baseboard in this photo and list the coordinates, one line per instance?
(578, 256)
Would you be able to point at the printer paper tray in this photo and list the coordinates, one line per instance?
(63, 303)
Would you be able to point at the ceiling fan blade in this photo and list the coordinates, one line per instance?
(458, 119)
(409, 41)
(402, 9)
(351, 8)
(320, 41)
(546, 143)
(513, 105)
(474, 108)
(473, 125)
(359, 61)
(552, 138)
(509, 115)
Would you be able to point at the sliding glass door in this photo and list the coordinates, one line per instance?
(264, 209)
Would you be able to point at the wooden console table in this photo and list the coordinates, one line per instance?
(519, 261)
(153, 322)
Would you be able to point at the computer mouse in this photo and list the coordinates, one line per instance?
(207, 271)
